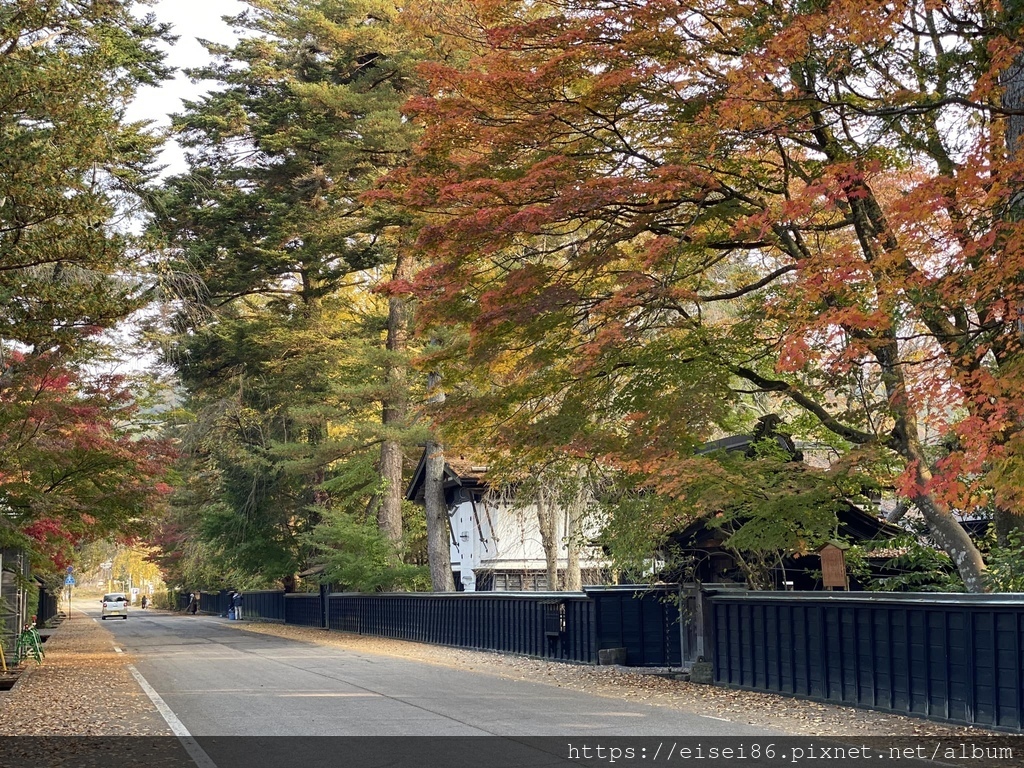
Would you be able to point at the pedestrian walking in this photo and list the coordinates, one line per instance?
(193, 604)
(145, 602)
(236, 603)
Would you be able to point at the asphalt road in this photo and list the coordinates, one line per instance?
(219, 681)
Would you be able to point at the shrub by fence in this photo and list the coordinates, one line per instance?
(954, 658)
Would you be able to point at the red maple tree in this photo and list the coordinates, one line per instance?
(74, 466)
(653, 210)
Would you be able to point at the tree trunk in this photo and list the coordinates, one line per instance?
(899, 512)
(319, 498)
(548, 524)
(438, 537)
(389, 511)
(395, 409)
(946, 529)
(955, 541)
(439, 553)
(573, 533)
(876, 238)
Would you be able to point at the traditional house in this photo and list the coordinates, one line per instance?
(496, 545)
(701, 545)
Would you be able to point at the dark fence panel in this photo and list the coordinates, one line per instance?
(214, 602)
(305, 610)
(47, 606)
(643, 620)
(551, 625)
(265, 604)
(954, 658)
(564, 626)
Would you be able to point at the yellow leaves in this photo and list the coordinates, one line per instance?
(132, 562)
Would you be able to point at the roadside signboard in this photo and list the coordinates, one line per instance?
(833, 565)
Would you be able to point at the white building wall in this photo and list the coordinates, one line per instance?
(499, 537)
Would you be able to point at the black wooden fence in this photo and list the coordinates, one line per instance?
(647, 624)
(567, 626)
(305, 610)
(549, 625)
(46, 607)
(215, 602)
(956, 658)
(267, 605)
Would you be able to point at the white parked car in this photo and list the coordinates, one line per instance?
(114, 604)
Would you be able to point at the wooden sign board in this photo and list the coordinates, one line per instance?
(833, 567)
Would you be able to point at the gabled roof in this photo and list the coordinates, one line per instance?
(738, 444)
(730, 444)
(458, 471)
(855, 524)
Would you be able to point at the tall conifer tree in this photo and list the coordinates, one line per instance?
(286, 349)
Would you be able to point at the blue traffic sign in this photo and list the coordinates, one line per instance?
(69, 581)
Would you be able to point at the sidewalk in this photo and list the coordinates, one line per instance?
(82, 688)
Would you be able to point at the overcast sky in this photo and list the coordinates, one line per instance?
(191, 19)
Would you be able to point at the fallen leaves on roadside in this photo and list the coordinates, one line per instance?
(82, 688)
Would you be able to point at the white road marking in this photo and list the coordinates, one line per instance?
(196, 752)
(327, 695)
